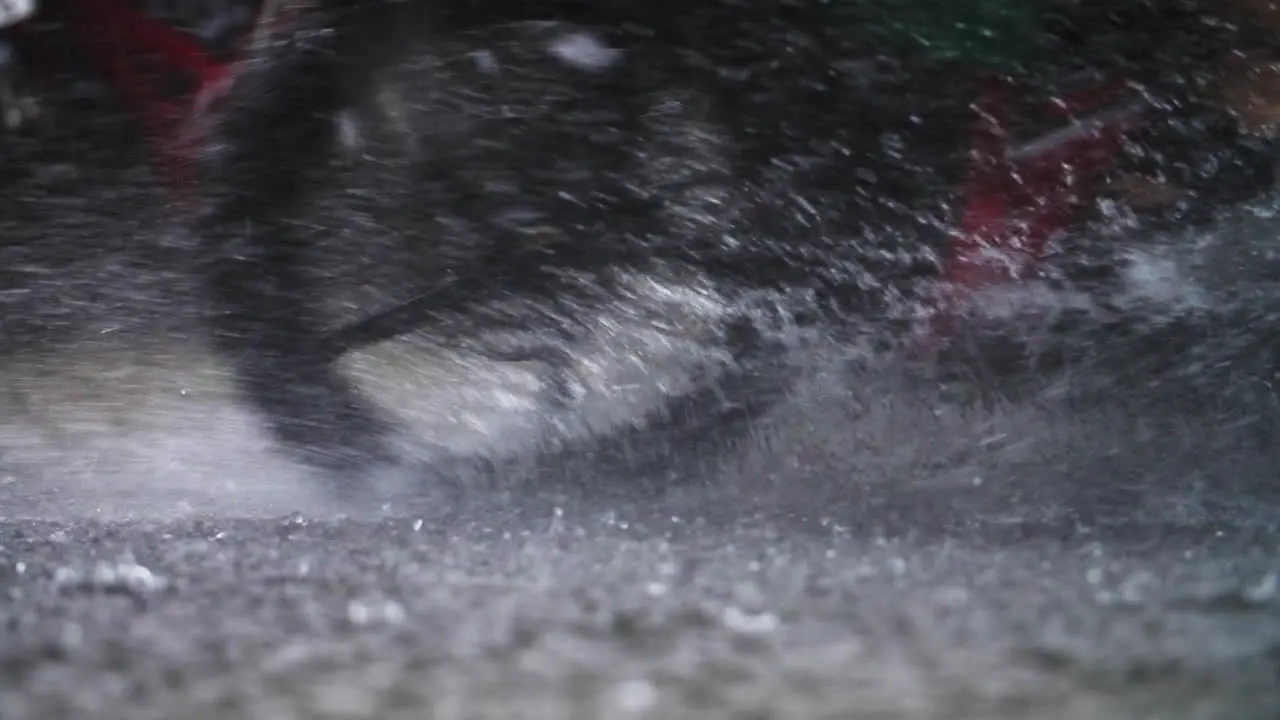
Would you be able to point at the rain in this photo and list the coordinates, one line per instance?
(681, 368)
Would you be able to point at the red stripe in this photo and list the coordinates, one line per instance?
(1017, 199)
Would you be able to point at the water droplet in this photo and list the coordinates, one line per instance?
(750, 623)
(291, 525)
(898, 566)
(125, 577)
(635, 696)
(1262, 591)
(375, 611)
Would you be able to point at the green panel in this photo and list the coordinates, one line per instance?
(1007, 33)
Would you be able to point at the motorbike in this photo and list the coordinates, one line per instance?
(1026, 161)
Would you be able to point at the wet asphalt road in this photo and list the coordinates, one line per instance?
(608, 617)
(1018, 564)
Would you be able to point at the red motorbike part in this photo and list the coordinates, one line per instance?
(1021, 194)
(164, 73)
